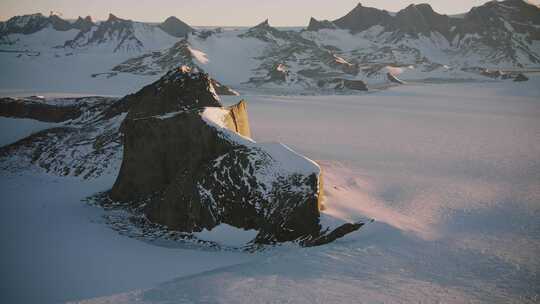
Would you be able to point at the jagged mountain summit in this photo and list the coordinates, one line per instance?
(29, 24)
(361, 47)
(114, 34)
(505, 29)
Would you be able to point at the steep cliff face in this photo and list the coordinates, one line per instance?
(237, 119)
(194, 164)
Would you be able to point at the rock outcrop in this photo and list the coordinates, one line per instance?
(194, 163)
(86, 144)
(343, 84)
(362, 18)
(521, 77)
(35, 108)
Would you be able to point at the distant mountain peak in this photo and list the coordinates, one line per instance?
(175, 27)
(315, 25)
(361, 18)
(113, 17)
(84, 24)
(264, 24)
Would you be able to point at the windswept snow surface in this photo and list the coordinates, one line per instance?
(449, 172)
(56, 248)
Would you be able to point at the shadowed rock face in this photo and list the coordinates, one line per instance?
(521, 77)
(37, 110)
(361, 18)
(421, 19)
(175, 27)
(193, 162)
(343, 84)
(315, 25)
(84, 24)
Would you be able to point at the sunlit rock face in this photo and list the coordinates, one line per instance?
(196, 165)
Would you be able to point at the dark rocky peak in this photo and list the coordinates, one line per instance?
(361, 18)
(422, 19)
(265, 32)
(315, 25)
(263, 25)
(83, 24)
(181, 89)
(114, 23)
(112, 18)
(176, 27)
(59, 24)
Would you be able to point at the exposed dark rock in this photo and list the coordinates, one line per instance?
(521, 77)
(343, 84)
(315, 25)
(60, 24)
(361, 18)
(357, 85)
(333, 235)
(84, 25)
(38, 110)
(87, 145)
(421, 19)
(278, 73)
(176, 27)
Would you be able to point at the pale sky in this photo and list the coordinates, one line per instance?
(219, 12)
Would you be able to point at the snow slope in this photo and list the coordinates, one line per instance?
(449, 172)
(56, 248)
(14, 129)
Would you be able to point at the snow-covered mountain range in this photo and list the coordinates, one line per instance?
(117, 55)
